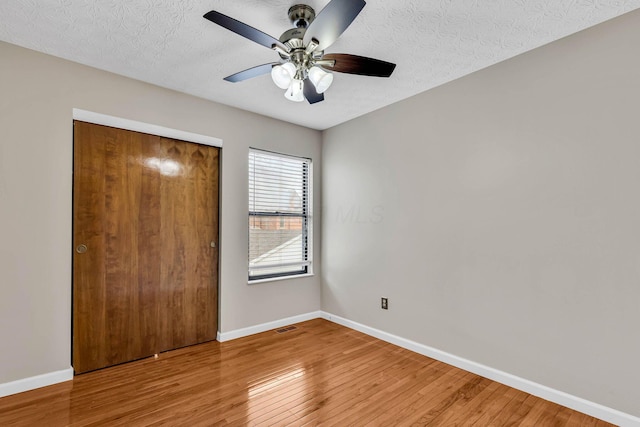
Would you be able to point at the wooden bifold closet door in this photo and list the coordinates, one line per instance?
(145, 232)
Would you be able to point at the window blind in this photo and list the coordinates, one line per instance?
(278, 215)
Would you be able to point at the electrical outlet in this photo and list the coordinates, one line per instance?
(384, 303)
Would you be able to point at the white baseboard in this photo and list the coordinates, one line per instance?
(256, 329)
(582, 405)
(576, 403)
(38, 381)
(50, 378)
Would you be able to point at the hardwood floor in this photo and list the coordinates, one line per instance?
(317, 374)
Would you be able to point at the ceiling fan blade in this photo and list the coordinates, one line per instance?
(310, 93)
(251, 73)
(353, 64)
(332, 21)
(244, 30)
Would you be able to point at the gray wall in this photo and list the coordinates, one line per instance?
(37, 94)
(500, 215)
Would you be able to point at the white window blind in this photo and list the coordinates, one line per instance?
(278, 215)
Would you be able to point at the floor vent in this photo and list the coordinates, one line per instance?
(286, 329)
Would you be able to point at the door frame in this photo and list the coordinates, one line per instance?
(148, 128)
(136, 126)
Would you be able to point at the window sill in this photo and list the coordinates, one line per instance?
(276, 279)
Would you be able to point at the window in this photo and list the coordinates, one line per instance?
(279, 220)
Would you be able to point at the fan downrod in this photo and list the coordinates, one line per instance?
(301, 15)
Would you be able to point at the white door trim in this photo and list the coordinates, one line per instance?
(118, 122)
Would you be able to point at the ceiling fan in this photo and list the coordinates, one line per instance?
(303, 66)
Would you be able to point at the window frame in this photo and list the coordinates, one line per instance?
(305, 217)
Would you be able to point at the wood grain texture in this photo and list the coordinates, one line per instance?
(354, 64)
(146, 207)
(318, 374)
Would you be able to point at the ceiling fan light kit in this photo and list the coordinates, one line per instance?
(320, 79)
(283, 75)
(295, 91)
(304, 70)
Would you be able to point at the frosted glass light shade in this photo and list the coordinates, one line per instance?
(294, 92)
(283, 74)
(320, 79)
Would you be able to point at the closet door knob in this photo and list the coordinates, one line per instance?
(81, 249)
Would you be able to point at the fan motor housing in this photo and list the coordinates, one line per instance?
(293, 38)
(301, 16)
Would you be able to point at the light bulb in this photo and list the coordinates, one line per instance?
(283, 74)
(320, 79)
(294, 92)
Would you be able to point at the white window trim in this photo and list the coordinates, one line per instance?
(310, 236)
(277, 279)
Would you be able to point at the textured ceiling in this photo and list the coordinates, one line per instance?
(170, 44)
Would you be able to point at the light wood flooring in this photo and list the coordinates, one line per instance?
(317, 374)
